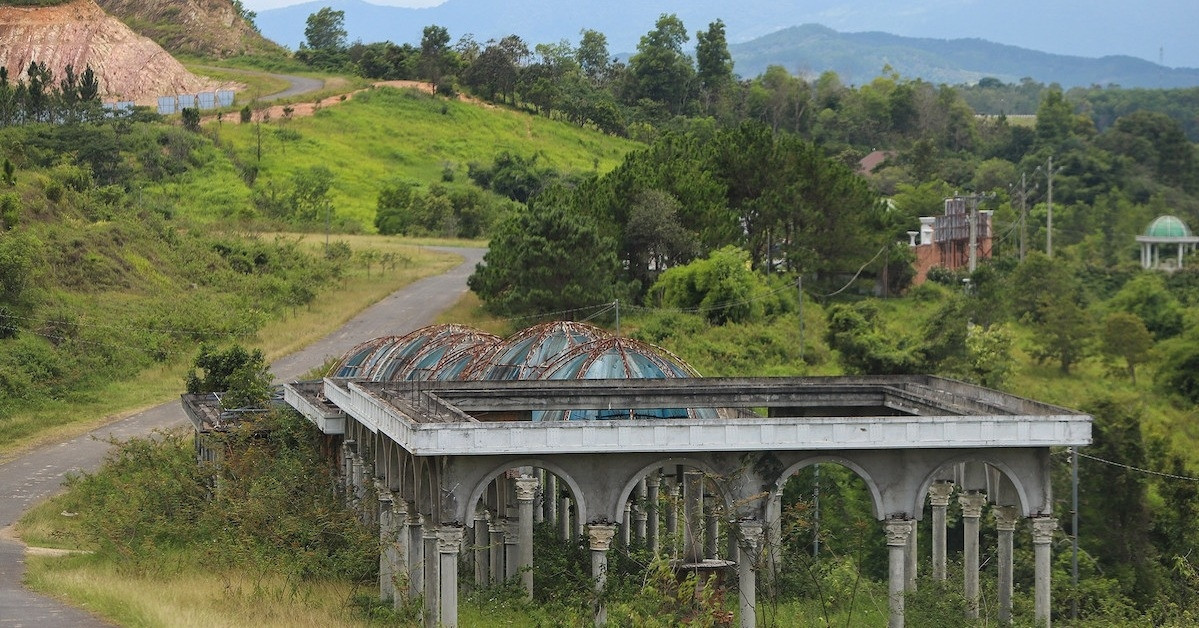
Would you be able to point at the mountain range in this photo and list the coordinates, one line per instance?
(1101, 42)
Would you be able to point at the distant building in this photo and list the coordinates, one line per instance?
(945, 240)
(1169, 233)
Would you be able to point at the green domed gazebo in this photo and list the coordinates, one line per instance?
(1168, 231)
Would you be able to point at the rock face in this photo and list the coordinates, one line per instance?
(79, 33)
(209, 28)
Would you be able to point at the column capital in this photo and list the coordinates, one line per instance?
(414, 517)
(449, 539)
(654, 479)
(600, 535)
(1043, 529)
(897, 531)
(939, 492)
(972, 504)
(526, 488)
(752, 532)
(399, 506)
(381, 491)
(511, 529)
(1006, 517)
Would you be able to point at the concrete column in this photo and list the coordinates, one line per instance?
(897, 531)
(751, 533)
(639, 513)
(482, 549)
(939, 494)
(511, 548)
(416, 554)
(449, 542)
(600, 541)
(401, 566)
(910, 555)
(551, 498)
(432, 577)
(693, 516)
(526, 490)
(495, 549)
(539, 498)
(972, 508)
(711, 531)
(734, 552)
(565, 528)
(1005, 522)
(626, 525)
(672, 514)
(388, 531)
(652, 483)
(1042, 536)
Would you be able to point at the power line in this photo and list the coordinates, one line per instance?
(1138, 469)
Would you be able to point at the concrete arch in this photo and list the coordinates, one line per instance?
(618, 508)
(465, 510)
(995, 462)
(774, 504)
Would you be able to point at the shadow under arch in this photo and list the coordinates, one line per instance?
(635, 478)
(1003, 467)
(774, 504)
(465, 513)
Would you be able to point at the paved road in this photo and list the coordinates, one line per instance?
(38, 474)
(298, 85)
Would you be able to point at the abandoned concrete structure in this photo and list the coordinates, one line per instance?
(456, 473)
(432, 465)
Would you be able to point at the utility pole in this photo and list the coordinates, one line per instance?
(1023, 216)
(799, 284)
(1049, 174)
(972, 217)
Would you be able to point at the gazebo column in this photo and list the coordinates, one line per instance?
(672, 513)
(972, 507)
(565, 529)
(938, 495)
(652, 484)
(1006, 518)
(693, 514)
(511, 548)
(432, 577)
(750, 533)
(526, 491)
(388, 533)
(416, 554)
(495, 559)
(1042, 536)
(711, 530)
(402, 566)
(539, 498)
(600, 541)
(449, 542)
(626, 525)
(482, 547)
(550, 492)
(640, 518)
(898, 531)
(910, 556)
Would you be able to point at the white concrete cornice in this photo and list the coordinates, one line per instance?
(392, 417)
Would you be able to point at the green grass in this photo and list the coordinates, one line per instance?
(386, 133)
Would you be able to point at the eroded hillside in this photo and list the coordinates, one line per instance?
(79, 33)
(209, 28)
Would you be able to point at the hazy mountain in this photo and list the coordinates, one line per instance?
(859, 57)
(1057, 27)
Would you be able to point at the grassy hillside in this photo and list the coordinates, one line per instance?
(372, 138)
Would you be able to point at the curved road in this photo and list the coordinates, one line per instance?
(38, 474)
(298, 85)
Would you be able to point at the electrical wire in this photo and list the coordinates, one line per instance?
(1138, 469)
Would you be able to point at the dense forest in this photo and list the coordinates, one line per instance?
(740, 216)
